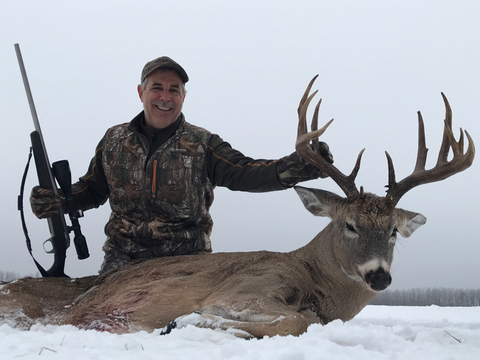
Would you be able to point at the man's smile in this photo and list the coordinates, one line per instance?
(164, 106)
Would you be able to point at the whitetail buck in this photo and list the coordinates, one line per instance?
(256, 293)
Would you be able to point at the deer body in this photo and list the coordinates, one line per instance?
(260, 293)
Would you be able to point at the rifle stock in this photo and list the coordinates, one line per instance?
(59, 237)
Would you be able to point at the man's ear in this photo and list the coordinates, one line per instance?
(140, 92)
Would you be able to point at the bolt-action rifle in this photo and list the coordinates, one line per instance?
(48, 176)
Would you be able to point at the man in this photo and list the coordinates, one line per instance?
(159, 172)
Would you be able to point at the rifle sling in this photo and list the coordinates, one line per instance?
(22, 216)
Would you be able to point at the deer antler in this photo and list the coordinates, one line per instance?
(308, 153)
(443, 169)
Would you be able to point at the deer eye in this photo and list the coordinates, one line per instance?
(350, 228)
(393, 237)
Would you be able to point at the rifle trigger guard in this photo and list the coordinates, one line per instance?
(51, 251)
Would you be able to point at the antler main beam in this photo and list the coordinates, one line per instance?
(307, 151)
(443, 169)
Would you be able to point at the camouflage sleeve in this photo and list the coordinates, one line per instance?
(229, 168)
(92, 189)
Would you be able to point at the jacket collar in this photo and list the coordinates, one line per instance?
(139, 126)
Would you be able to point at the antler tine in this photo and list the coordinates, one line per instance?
(421, 155)
(443, 169)
(302, 109)
(305, 95)
(314, 127)
(305, 150)
(302, 115)
(422, 145)
(446, 141)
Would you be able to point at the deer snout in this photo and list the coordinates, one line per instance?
(376, 274)
(379, 279)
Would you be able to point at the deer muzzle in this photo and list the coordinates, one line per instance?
(376, 274)
(379, 279)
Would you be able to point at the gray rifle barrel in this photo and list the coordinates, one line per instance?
(36, 123)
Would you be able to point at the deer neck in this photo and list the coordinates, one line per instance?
(338, 294)
(319, 253)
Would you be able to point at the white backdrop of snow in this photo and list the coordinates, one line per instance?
(378, 332)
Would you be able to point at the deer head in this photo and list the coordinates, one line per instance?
(365, 226)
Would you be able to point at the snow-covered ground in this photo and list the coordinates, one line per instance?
(378, 332)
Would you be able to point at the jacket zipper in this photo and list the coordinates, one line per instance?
(154, 179)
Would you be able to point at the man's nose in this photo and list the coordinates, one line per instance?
(165, 95)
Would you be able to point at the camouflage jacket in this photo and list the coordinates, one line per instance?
(160, 206)
(160, 201)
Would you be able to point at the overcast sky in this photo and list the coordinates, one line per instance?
(379, 62)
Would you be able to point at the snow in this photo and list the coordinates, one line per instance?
(378, 332)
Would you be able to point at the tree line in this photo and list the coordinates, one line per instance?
(7, 276)
(429, 296)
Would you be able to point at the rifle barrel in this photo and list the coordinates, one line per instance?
(36, 123)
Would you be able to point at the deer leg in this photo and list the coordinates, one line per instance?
(248, 325)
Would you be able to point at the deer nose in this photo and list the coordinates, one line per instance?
(378, 279)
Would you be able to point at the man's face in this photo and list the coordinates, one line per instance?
(162, 98)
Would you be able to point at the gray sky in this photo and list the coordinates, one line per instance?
(379, 62)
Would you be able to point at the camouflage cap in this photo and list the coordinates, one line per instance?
(163, 62)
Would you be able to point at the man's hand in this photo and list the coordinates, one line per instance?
(45, 203)
(292, 169)
(324, 150)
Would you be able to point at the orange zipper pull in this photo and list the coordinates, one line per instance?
(154, 179)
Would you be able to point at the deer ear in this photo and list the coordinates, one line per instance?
(318, 202)
(408, 222)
